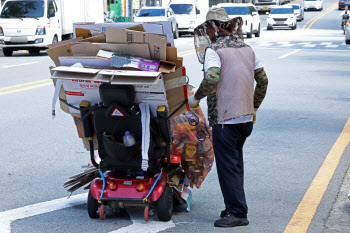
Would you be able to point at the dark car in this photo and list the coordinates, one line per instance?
(342, 4)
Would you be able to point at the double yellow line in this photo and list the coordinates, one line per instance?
(25, 86)
(309, 24)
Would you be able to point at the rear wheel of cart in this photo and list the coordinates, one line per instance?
(165, 205)
(92, 206)
(7, 52)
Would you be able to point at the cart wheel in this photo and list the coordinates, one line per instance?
(145, 214)
(165, 205)
(92, 206)
(102, 211)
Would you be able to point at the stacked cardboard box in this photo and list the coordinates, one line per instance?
(80, 69)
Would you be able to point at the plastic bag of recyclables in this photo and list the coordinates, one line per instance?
(192, 140)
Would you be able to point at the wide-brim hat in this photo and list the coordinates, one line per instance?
(218, 25)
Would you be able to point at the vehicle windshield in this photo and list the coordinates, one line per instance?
(281, 11)
(23, 9)
(237, 10)
(185, 9)
(150, 12)
(296, 7)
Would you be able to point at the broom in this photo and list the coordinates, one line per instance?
(82, 179)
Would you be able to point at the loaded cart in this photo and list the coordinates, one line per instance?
(127, 92)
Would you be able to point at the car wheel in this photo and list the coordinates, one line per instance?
(54, 40)
(257, 34)
(250, 34)
(347, 41)
(269, 27)
(176, 33)
(7, 52)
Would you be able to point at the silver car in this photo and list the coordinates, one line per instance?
(347, 33)
(298, 11)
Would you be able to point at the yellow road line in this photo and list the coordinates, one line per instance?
(24, 84)
(25, 88)
(191, 50)
(317, 17)
(307, 208)
(326, 12)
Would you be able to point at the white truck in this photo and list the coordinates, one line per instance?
(266, 5)
(187, 15)
(34, 24)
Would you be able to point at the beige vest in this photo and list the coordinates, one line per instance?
(235, 90)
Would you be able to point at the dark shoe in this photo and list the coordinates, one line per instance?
(224, 213)
(231, 221)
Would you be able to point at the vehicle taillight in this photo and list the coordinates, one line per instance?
(113, 186)
(139, 187)
(40, 30)
(1, 31)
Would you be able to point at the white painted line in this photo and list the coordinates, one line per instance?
(24, 64)
(332, 46)
(141, 226)
(310, 45)
(287, 45)
(326, 43)
(9, 216)
(291, 53)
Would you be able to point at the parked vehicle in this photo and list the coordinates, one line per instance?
(157, 14)
(343, 3)
(249, 15)
(298, 11)
(186, 13)
(313, 5)
(266, 5)
(282, 17)
(34, 24)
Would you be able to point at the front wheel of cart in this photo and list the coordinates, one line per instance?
(165, 205)
(92, 206)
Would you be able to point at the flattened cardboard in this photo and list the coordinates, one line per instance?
(177, 74)
(157, 43)
(176, 82)
(85, 61)
(101, 38)
(92, 49)
(171, 54)
(176, 97)
(65, 42)
(74, 73)
(129, 77)
(179, 62)
(166, 67)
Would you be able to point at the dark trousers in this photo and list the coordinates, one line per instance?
(228, 144)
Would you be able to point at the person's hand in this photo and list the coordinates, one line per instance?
(192, 102)
(254, 115)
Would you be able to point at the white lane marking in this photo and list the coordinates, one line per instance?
(332, 46)
(291, 53)
(9, 216)
(326, 43)
(286, 45)
(141, 226)
(24, 64)
(310, 45)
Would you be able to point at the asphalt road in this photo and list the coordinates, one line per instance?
(305, 110)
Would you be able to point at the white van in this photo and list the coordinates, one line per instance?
(187, 15)
(34, 24)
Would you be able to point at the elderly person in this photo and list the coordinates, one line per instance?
(230, 68)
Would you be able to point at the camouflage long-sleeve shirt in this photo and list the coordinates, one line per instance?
(212, 78)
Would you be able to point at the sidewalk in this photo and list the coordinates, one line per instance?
(339, 218)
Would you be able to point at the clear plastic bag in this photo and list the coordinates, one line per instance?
(192, 140)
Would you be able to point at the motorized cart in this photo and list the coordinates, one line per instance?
(125, 180)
